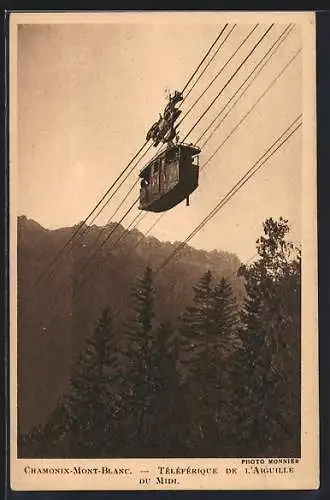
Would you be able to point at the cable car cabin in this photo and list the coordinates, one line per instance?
(169, 178)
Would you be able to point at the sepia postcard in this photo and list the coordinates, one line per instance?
(163, 251)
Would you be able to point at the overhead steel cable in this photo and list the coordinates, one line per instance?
(269, 53)
(228, 136)
(236, 71)
(149, 230)
(100, 233)
(251, 109)
(255, 167)
(98, 236)
(82, 224)
(219, 72)
(249, 173)
(102, 229)
(212, 58)
(230, 58)
(132, 225)
(62, 290)
(209, 62)
(203, 59)
(111, 232)
(277, 144)
(257, 70)
(208, 52)
(141, 216)
(118, 187)
(110, 219)
(235, 187)
(108, 236)
(229, 80)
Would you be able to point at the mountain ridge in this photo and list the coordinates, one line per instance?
(56, 316)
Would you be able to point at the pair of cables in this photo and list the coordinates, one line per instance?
(133, 204)
(243, 88)
(118, 182)
(276, 145)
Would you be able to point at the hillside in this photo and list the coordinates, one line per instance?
(55, 316)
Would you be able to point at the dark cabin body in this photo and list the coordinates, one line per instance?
(169, 178)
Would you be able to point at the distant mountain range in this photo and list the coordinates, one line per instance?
(56, 314)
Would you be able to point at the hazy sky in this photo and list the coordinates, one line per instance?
(88, 93)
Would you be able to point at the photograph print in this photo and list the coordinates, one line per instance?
(163, 248)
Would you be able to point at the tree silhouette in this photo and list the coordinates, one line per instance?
(219, 382)
(84, 421)
(95, 399)
(140, 377)
(266, 373)
(167, 405)
(194, 323)
(207, 337)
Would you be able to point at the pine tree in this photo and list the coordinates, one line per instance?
(140, 383)
(224, 314)
(167, 428)
(84, 422)
(194, 323)
(207, 336)
(95, 398)
(266, 370)
(220, 344)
